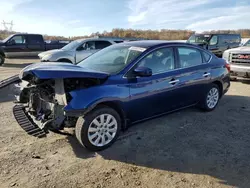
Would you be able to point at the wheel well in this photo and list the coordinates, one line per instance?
(2, 54)
(219, 84)
(64, 60)
(119, 110)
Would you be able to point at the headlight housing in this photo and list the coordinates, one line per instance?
(47, 57)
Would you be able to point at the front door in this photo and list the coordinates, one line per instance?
(85, 50)
(16, 47)
(154, 95)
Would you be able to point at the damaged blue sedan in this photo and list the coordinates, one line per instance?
(120, 85)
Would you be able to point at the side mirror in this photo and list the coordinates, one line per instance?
(143, 71)
(11, 42)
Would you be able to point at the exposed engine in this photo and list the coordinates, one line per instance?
(46, 99)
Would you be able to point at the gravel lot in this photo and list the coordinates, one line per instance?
(188, 148)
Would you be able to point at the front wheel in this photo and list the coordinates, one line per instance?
(98, 129)
(211, 98)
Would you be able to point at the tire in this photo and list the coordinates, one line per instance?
(84, 124)
(2, 59)
(205, 103)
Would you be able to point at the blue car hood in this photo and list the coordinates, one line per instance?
(53, 70)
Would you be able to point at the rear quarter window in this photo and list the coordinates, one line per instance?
(206, 56)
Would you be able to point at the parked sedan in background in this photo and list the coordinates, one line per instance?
(77, 50)
(120, 85)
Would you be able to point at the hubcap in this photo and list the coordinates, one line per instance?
(212, 98)
(102, 130)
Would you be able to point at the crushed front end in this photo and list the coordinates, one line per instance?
(42, 102)
(44, 92)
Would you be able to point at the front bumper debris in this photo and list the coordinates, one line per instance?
(26, 123)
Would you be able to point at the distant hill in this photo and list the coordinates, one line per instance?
(163, 34)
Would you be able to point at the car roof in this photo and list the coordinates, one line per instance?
(216, 34)
(151, 43)
(97, 39)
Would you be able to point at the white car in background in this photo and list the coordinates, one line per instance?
(77, 50)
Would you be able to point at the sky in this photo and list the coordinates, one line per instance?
(82, 17)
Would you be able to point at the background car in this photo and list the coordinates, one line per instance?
(120, 85)
(77, 50)
(26, 45)
(216, 43)
(239, 58)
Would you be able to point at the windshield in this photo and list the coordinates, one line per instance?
(247, 43)
(72, 45)
(112, 59)
(199, 39)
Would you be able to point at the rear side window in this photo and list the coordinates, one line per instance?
(206, 56)
(229, 39)
(101, 44)
(189, 57)
(34, 39)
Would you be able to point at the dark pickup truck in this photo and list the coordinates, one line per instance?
(26, 45)
(216, 43)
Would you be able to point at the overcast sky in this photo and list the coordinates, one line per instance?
(81, 17)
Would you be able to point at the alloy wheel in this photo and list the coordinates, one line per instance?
(102, 130)
(212, 98)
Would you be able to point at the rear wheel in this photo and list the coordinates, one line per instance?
(1, 59)
(211, 98)
(98, 129)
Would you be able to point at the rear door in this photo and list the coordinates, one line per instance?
(16, 46)
(194, 74)
(35, 44)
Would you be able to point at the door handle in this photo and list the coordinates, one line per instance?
(206, 74)
(173, 82)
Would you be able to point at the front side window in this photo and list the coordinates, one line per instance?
(90, 45)
(17, 40)
(112, 59)
(159, 61)
(213, 40)
(189, 57)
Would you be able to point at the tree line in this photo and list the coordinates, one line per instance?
(163, 34)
